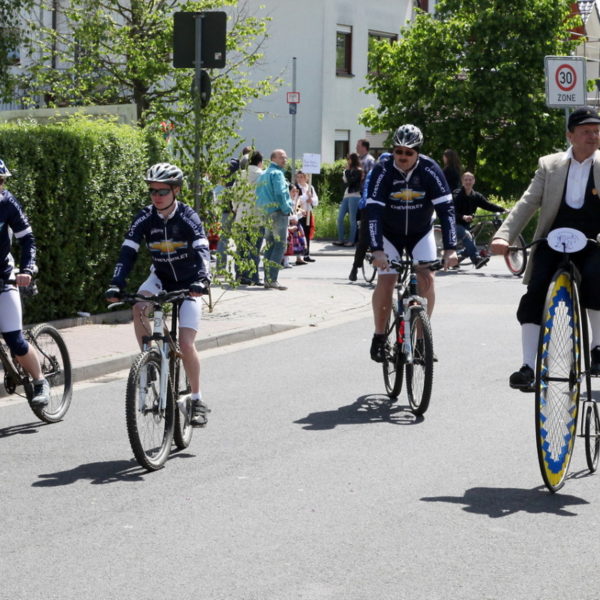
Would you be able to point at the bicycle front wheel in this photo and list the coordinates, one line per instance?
(516, 257)
(419, 371)
(393, 366)
(592, 436)
(56, 368)
(557, 380)
(150, 426)
(182, 434)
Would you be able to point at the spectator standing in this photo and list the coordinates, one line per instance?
(452, 169)
(245, 158)
(367, 161)
(307, 201)
(466, 203)
(353, 176)
(273, 197)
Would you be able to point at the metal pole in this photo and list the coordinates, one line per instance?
(294, 122)
(197, 109)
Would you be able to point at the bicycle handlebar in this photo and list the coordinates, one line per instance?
(435, 265)
(160, 298)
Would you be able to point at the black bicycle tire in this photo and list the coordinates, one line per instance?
(393, 366)
(554, 463)
(165, 429)
(592, 437)
(183, 430)
(60, 402)
(517, 268)
(369, 271)
(419, 402)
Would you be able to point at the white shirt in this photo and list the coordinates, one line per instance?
(579, 173)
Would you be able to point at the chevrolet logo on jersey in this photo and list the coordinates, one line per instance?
(166, 247)
(408, 195)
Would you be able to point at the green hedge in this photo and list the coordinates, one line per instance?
(80, 183)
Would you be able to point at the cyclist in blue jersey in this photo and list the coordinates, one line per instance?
(13, 221)
(404, 193)
(180, 255)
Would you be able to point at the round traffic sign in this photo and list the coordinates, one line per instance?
(566, 77)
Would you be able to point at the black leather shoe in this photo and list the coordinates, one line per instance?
(353, 272)
(595, 361)
(522, 379)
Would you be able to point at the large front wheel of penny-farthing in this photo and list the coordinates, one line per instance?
(393, 366)
(150, 426)
(56, 369)
(419, 370)
(592, 436)
(557, 380)
(182, 434)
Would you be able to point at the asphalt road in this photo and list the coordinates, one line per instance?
(306, 484)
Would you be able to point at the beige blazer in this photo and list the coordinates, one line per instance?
(545, 192)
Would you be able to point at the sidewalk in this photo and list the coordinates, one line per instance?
(99, 345)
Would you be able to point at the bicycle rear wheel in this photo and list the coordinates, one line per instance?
(557, 380)
(150, 428)
(592, 436)
(369, 271)
(56, 368)
(419, 372)
(516, 257)
(182, 434)
(393, 367)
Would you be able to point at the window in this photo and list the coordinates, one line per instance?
(422, 4)
(342, 143)
(9, 45)
(378, 36)
(343, 50)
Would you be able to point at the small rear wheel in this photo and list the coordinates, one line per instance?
(393, 366)
(182, 434)
(56, 368)
(592, 437)
(149, 425)
(419, 371)
(516, 257)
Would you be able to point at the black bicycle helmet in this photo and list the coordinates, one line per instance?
(4, 172)
(409, 136)
(165, 173)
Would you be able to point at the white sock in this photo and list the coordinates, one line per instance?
(530, 333)
(594, 318)
(197, 396)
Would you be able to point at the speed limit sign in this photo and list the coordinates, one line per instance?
(565, 81)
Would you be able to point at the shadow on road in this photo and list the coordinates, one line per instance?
(99, 472)
(502, 502)
(372, 408)
(21, 428)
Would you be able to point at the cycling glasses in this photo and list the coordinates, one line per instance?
(400, 152)
(162, 192)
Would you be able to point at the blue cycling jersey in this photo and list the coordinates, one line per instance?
(12, 217)
(177, 244)
(401, 204)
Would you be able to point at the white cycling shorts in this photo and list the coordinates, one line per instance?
(424, 250)
(11, 316)
(190, 312)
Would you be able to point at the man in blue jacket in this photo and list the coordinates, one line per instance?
(273, 197)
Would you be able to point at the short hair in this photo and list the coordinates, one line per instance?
(365, 143)
(256, 158)
(247, 150)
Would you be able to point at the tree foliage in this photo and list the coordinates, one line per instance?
(472, 77)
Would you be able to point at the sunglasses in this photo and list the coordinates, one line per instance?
(400, 152)
(162, 192)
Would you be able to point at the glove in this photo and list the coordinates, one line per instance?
(199, 287)
(112, 292)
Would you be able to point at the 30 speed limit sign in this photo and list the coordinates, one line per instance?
(565, 81)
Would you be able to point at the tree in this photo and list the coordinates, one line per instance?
(10, 40)
(472, 77)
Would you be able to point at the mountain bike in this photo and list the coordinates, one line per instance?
(564, 339)
(56, 368)
(482, 229)
(409, 340)
(158, 405)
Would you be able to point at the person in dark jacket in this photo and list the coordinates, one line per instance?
(353, 176)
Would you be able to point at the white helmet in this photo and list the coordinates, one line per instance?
(165, 173)
(4, 172)
(409, 136)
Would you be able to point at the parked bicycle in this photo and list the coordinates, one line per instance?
(409, 340)
(56, 368)
(158, 406)
(484, 226)
(564, 339)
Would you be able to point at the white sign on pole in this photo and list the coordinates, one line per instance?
(565, 81)
(311, 163)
